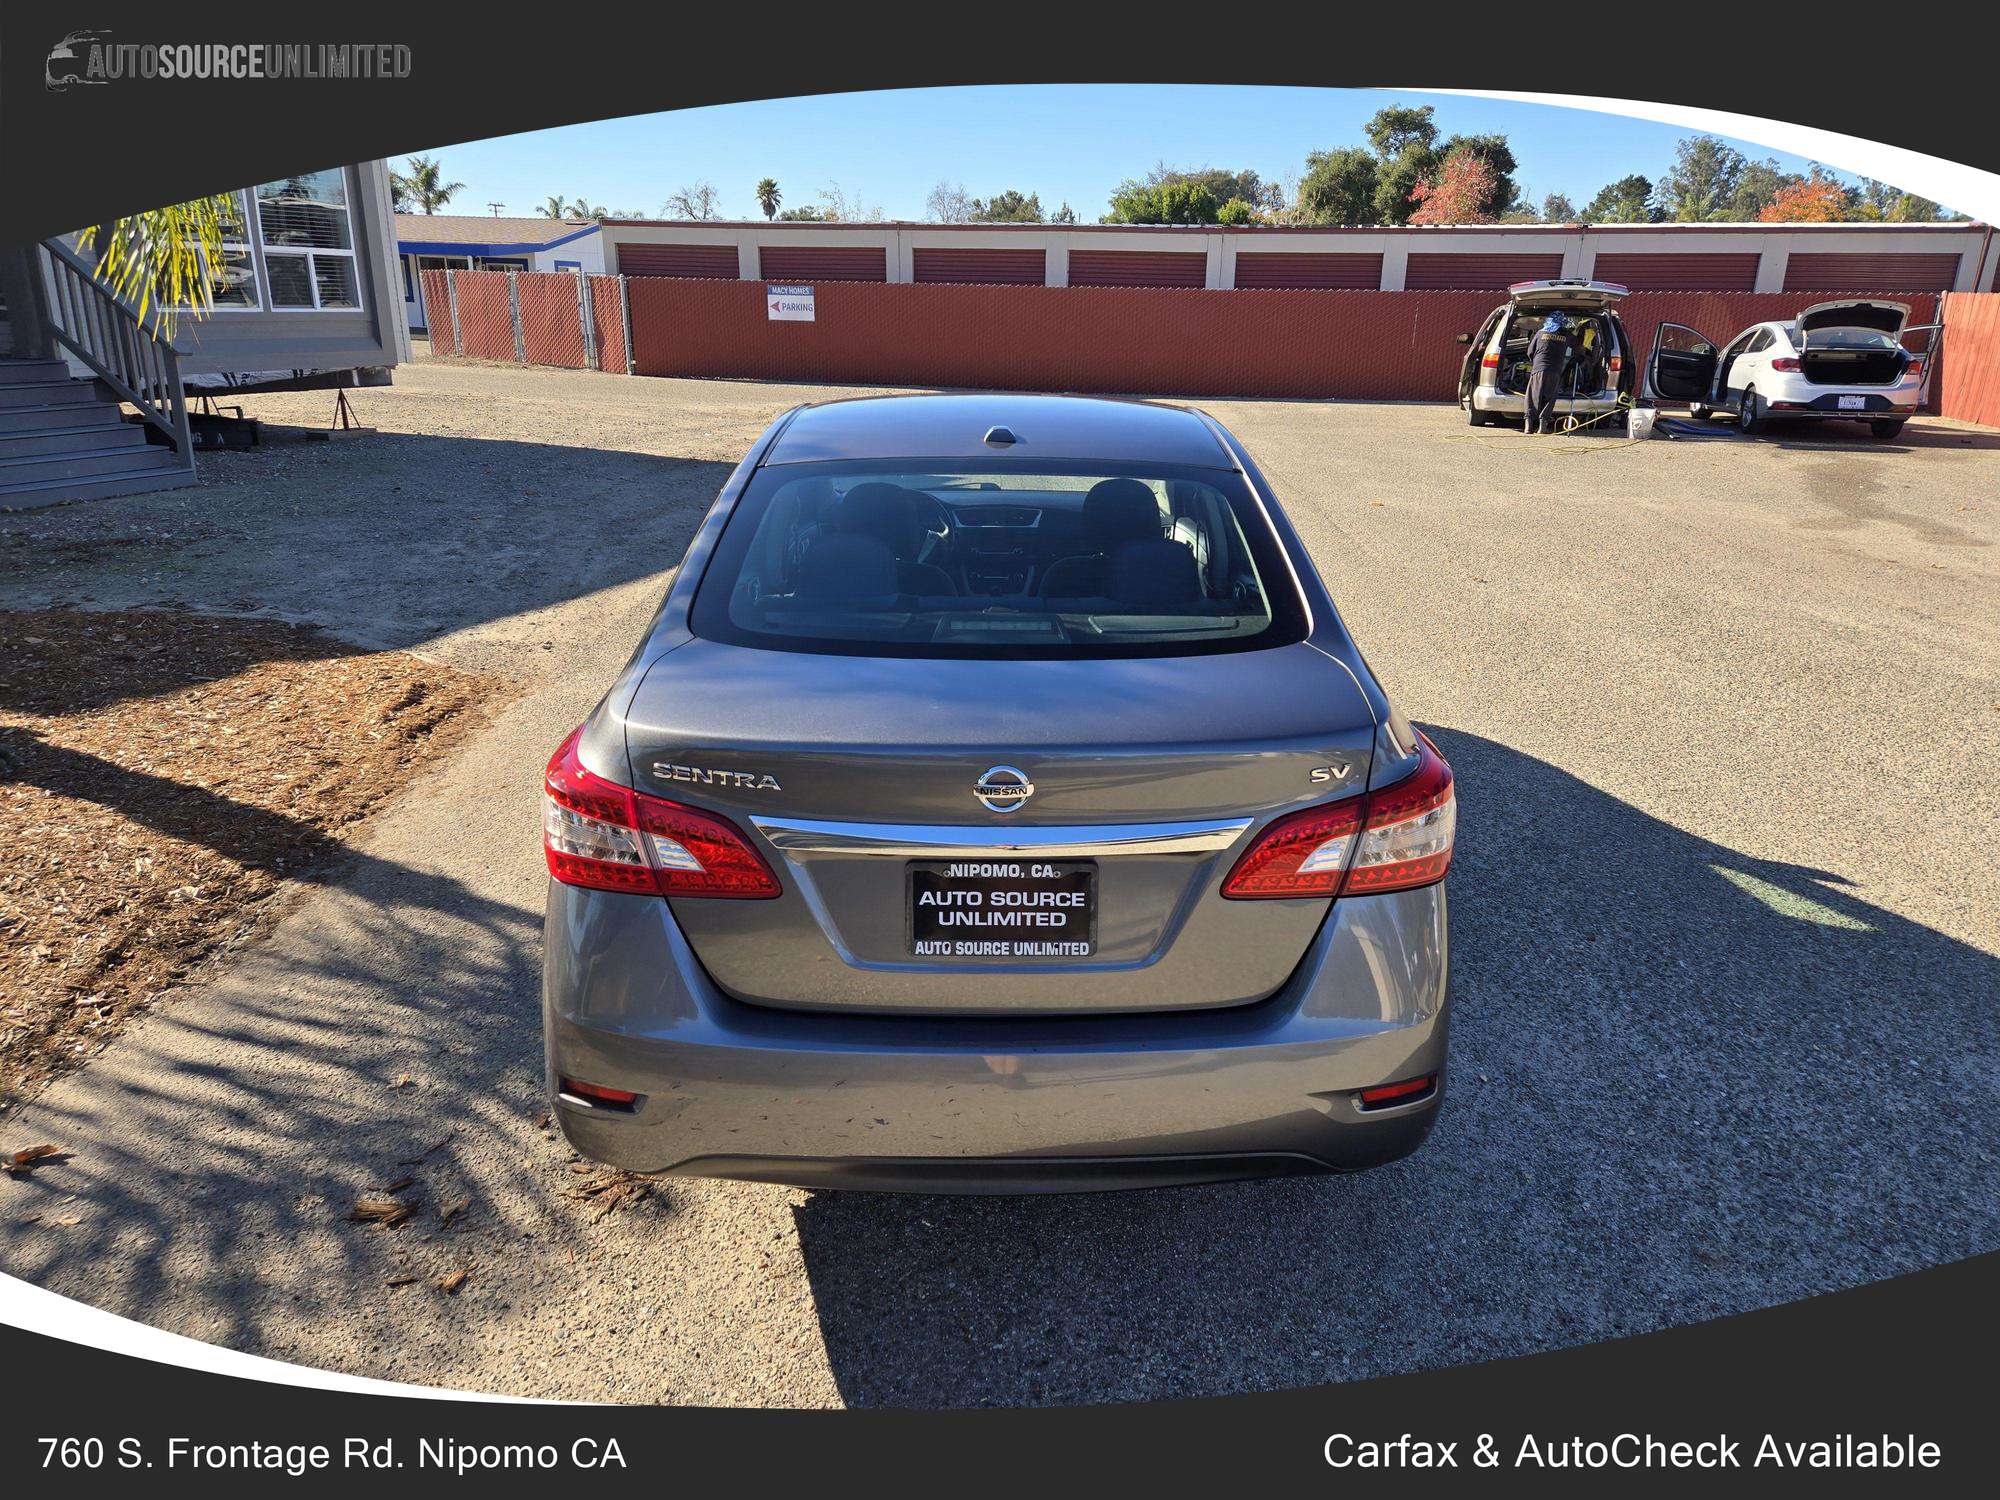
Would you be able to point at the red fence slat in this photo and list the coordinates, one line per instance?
(1967, 384)
(607, 316)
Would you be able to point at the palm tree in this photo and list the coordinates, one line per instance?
(581, 209)
(768, 197)
(163, 259)
(423, 186)
(555, 208)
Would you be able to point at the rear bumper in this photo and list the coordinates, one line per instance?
(971, 1104)
(1815, 402)
(1493, 399)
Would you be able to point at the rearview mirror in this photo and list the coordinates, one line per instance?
(1465, 338)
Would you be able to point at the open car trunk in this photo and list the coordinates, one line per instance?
(1588, 372)
(1853, 342)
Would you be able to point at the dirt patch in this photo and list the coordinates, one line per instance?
(162, 776)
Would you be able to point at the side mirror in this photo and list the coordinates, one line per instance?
(1465, 338)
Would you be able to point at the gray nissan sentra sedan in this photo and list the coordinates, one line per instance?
(996, 804)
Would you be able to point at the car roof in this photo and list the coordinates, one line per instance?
(1087, 428)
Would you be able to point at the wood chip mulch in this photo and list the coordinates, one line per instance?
(162, 775)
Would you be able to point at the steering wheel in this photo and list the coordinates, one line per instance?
(936, 525)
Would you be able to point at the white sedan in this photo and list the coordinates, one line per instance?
(1843, 360)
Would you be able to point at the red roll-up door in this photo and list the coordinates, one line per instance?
(823, 262)
(1261, 268)
(1138, 268)
(1690, 272)
(1441, 272)
(707, 262)
(980, 267)
(1821, 272)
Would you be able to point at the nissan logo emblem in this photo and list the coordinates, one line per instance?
(1003, 789)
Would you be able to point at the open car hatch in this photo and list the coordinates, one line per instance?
(1567, 295)
(1883, 317)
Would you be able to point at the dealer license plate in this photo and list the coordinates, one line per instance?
(1007, 909)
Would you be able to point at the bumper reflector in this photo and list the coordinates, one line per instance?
(1385, 1094)
(597, 1093)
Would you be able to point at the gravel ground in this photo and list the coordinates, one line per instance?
(1724, 926)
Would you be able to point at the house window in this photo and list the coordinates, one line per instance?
(308, 234)
(232, 280)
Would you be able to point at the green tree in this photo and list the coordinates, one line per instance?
(1702, 183)
(1756, 185)
(1400, 127)
(1557, 209)
(1629, 200)
(553, 208)
(806, 215)
(1167, 203)
(1063, 215)
(1007, 208)
(1338, 187)
(424, 187)
(1236, 211)
(768, 197)
(166, 259)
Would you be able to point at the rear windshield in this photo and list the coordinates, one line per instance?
(998, 559)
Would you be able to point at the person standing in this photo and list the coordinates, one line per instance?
(1548, 356)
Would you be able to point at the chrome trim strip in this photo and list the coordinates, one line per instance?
(936, 841)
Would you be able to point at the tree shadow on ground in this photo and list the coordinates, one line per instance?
(395, 540)
(1684, 1083)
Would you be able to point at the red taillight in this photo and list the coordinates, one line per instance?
(1397, 1093)
(1784, 362)
(1489, 362)
(1387, 840)
(596, 833)
(1912, 366)
(1616, 363)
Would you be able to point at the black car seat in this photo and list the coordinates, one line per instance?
(889, 514)
(1115, 511)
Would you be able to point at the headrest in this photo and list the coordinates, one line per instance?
(883, 511)
(1154, 575)
(1119, 510)
(844, 565)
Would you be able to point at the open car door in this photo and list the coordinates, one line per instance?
(1468, 370)
(1925, 353)
(1683, 365)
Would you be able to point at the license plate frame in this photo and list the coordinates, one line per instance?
(1028, 885)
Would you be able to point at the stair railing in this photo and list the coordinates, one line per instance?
(125, 351)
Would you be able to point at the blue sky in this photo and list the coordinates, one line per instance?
(1071, 142)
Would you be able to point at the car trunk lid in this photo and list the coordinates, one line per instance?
(861, 779)
(1823, 317)
(1566, 295)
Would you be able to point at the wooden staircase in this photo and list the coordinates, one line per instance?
(62, 438)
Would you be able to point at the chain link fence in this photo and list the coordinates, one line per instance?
(559, 318)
